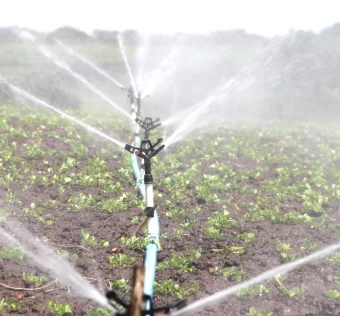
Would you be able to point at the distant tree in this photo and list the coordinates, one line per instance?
(70, 34)
(105, 36)
(7, 35)
(131, 37)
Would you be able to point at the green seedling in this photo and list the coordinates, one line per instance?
(121, 261)
(121, 284)
(138, 243)
(229, 273)
(99, 312)
(9, 305)
(247, 237)
(334, 259)
(87, 239)
(59, 309)
(221, 220)
(263, 312)
(12, 252)
(81, 202)
(283, 249)
(212, 232)
(171, 288)
(253, 291)
(294, 292)
(183, 264)
(113, 205)
(333, 294)
(34, 279)
(235, 250)
(65, 254)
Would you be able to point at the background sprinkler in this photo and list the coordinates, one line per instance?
(135, 99)
(148, 125)
(139, 170)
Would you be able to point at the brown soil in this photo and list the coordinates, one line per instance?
(315, 278)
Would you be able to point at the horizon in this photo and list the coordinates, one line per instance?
(265, 18)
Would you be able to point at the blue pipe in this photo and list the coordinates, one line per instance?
(151, 258)
(153, 246)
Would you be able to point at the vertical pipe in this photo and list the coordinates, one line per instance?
(149, 194)
(151, 256)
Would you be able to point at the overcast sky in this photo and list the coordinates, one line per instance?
(266, 17)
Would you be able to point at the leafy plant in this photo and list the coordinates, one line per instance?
(34, 279)
(212, 232)
(237, 250)
(134, 242)
(333, 293)
(113, 205)
(263, 312)
(184, 264)
(65, 254)
(170, 287)
(120, 284)
(221, 220)
(88, 239)
(334, 259)
(121, 261)
(295, 291)
(12, 252)
(81, 202)
(11, 305)
(247, 237)
(99, 312)
(229, 273)
(283, 249)
(60, 309)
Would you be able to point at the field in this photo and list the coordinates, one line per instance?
(234, 201)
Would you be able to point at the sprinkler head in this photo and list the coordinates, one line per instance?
(147, 149)
(148, 125)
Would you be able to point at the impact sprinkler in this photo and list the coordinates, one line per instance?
(141, 303)
(148, 125)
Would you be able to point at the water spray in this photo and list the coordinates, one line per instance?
(47, 53)
(29, 96)
(243, 80)
(128, 68)
(161, 73)
(89, 63)
(210, 300)
(59, 267)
